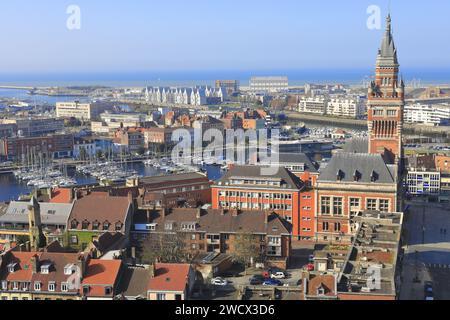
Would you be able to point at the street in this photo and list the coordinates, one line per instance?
(426, 251)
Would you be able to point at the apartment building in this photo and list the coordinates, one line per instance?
(217, 231)
(315, 105)
(53, 146)
(423, 182)
(269, 84)
(428, 114)
(79, 110)
(347, 106)
(34, 127)
(231, 86)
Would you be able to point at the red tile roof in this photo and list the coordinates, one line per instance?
(101, 274)
(23, 270)
(170, 277)
(61, 196)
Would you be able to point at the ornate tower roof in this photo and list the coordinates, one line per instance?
(387, 55)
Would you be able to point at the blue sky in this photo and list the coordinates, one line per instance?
(169, 35)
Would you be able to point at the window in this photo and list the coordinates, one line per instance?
(372, 204)
(193, 237)
(325, 205)
(74, 239)
(85, 225)
(12, 267)
(74, 224)
(392, 113)
(95, 225)
(4, 285)
(108, 290)
(325, 226)
(160, 297)
(337, 206)
(384, 205)
(37, 286)
(378, 112)
(64, 287)
(119, 226)
(337, 227)
(45, 269)
(15, 285)
(51, 286)
(106, 226)
(355, 203)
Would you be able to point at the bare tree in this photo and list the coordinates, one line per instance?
(164, 247)
(246, 249)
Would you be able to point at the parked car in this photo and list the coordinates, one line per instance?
(230, 274)
(278, 275)
(219, 282)
(257, 280)
(272, 282)
(309, 267)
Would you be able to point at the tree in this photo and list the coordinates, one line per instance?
(246, 249)
(166, 248)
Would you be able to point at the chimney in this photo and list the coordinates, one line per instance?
(153, 270)
(82, 263)
(235, 212)
(130, 197)
(35, 264)
(222, 211)
(198, 213)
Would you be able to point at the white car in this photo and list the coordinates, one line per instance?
(219, 282)
(278, 275)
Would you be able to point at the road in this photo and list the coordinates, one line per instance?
(426, 252)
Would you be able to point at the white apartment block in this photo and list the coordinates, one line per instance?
(269, 84)
(316, 105)
(81, 111)
(184, 96)
(429, 114)
(351, 107)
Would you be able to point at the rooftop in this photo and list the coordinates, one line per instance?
(169, 277)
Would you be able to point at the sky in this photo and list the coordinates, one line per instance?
(213, 35)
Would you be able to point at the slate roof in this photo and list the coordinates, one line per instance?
(297, 158)
(289, 180)
(357, 145)
(17, 212)
(221, 221)
(134, 282)
(346, 164)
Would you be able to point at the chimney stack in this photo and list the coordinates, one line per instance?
(35, 264)
(199, 213)
(153, 270)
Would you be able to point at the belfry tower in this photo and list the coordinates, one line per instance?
(386, 100)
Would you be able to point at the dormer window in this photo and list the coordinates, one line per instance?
(119, 226)
(357, 176)
(85, 225)
(64, 287)
(45, 268)
(321, 291)
(74, 224)
(339, 175)
(12, 267)
(106, 225)
(4, 285)
(95, 225)
(108, 291)
(374, 176)
(69, 269)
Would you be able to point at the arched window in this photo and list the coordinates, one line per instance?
(74, 224)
